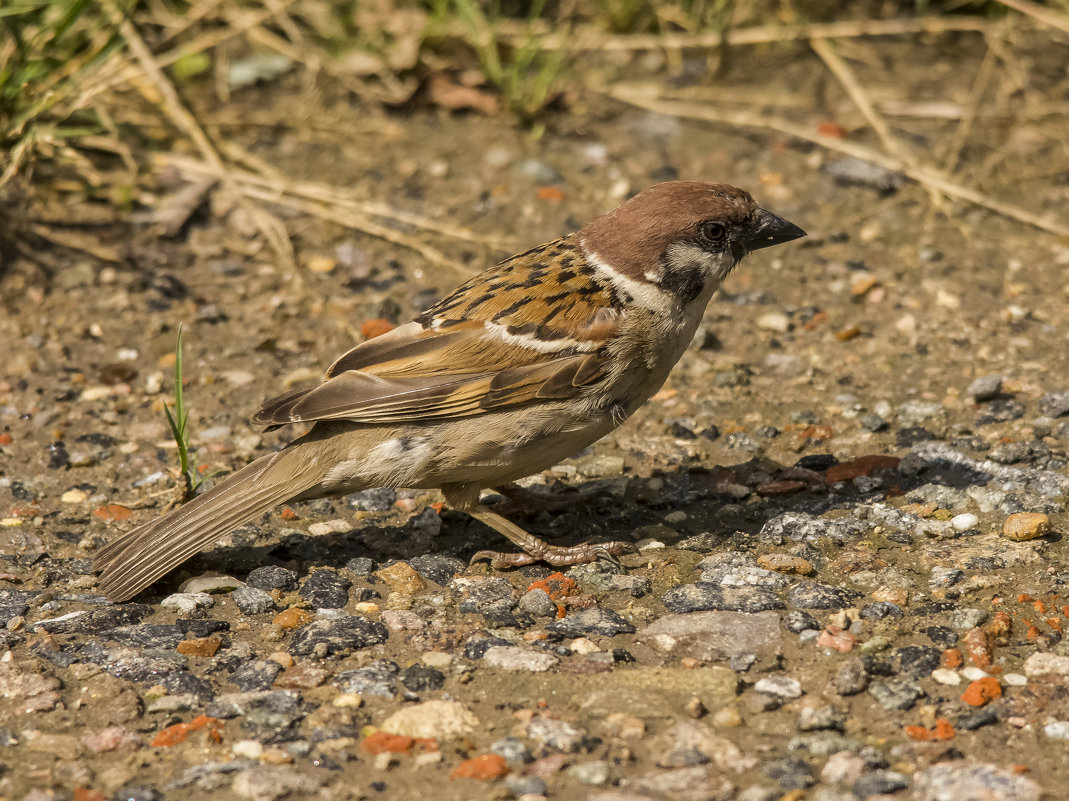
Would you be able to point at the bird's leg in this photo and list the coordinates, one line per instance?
(463, 499)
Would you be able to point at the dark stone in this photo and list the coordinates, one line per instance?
(594, 620)
(811, 595)
(1019, 452)
(201, 627)
(740, 663)
(896, 693)
(941, 635)
(881, 610)
(851, 677)
(97, 620)
(380, 499)
(710, 432)
(272, 577)
(1055, 404)
(1001, 411)
(797, 621)
(9, 611)
(485, 596)
(185, 682)
(817, 461)
(151, 665)
(879, 782)
(58, 458)
(705, 596)
(437, 568)
(420, 678)
(137, 794)
(790, 772)
(378, 678)
(147, 635)
(873, 422)
(908, 437)
(325, 589)
(976, 720)
(478, 644)
(339, 636)
(259, 674)
(360, 567)
(680, 431)
(253, 601)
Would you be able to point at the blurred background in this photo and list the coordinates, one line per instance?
(286, 178)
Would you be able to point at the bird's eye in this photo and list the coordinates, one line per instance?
(713, 231)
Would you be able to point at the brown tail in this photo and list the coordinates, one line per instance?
(141, 556)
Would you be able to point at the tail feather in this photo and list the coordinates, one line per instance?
(143, 555)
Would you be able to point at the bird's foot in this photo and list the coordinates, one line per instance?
(557, 556)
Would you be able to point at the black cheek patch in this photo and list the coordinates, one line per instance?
(685, 283)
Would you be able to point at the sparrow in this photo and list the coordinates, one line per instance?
(521, 366)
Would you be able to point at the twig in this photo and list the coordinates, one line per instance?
(961, 133)
(841, 70)
(343, 218)
(274, 182)
(272, 229)
(1038, 12)
(591, 40)
(646, 97)
(857, 94)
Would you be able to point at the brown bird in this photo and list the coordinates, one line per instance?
(523, 365)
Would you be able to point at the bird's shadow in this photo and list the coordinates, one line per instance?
(713, 517)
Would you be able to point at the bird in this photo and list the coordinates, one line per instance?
(523, 365)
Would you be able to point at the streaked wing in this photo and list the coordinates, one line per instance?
(529, 330)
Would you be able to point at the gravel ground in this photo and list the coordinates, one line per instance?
(848, 502)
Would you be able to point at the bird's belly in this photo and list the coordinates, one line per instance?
(517, 451)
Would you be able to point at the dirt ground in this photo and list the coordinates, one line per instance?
(860, 340)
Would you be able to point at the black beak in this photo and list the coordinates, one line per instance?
(767, 229)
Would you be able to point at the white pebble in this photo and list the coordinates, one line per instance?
(964, 522)
(187, 602)
(247, 749)
(945, 676)
(1015, 679)
(774, 321)
(973, 673)
(1058, 730)
(780, 686)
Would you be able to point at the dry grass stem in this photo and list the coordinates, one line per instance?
(322, 204)
(952, 151)
(273, 230)
(860, 98)
(1040, 13)
(764, 34)
(271, 180)
(646, 97)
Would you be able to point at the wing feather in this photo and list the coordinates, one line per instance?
(530, 330)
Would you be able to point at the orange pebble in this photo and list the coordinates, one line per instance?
(376, 328)
(85, 794)
(982, 691)
(288, 514)
(550, 193)
(952, 658)
(178, 733)
(112, 511)
(5, 439)
(556, 586)
(942, 731)
(292, 618)
(484, 768)
(385, 743)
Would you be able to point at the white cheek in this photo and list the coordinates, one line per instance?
(648, 296)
